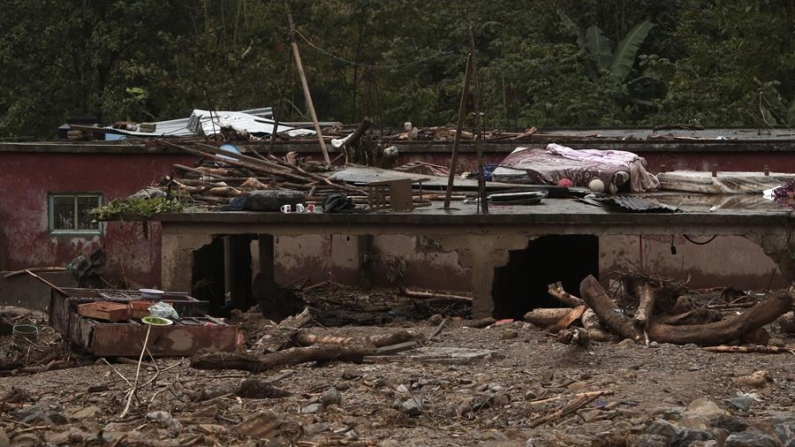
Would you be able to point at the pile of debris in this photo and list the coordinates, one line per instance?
(651, 310)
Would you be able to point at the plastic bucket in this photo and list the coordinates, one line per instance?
(25, 332)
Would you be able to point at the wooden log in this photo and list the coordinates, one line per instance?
(751, 349)
(609, 314)
(293, 356)
(437, 295)
(302, 338)
(545, 317)
(787, 323)
(572, 316)
(557, 292)
(647, 296)
(592, 325)
(727, 330)
(695, 316)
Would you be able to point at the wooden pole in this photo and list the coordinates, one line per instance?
(482, 202)
(307, 95)
(462, 111)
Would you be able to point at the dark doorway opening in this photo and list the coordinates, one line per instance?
(521, 285)
(207, 280)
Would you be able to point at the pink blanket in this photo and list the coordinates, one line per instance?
(548, 166)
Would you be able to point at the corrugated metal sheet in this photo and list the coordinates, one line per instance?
(632, 204)
(255, 121)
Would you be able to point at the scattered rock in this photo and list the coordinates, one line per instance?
(311, 408)
(351, 374)
(173, 426)
(98, 388)
(626, 344)
(732, 424)
(24, 440)
(313, 429)
(685, 437)
(654, 344)
(86, 412)
(262, 425)
(509, 334)
(413, 407)
(751, 439)
(740, 403)
(331, 396)
(662, 428)
(650, 440)
(705, 408)
(4, 441)
(259, 389)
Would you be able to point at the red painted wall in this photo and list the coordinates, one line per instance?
(27, 179)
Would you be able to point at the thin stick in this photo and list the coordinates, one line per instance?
(565, 411)
(307, 95)
(137, 373)
(438, 329)
(117, 372)
(462, 108)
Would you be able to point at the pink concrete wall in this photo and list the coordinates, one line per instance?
(29, 177)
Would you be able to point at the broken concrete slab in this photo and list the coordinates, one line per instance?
(449, 355)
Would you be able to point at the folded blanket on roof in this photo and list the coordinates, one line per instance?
(556, 162)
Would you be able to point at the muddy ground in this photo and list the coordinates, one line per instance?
(467, 386)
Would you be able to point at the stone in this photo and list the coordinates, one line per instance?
(650, 440)
(687, 436)
(662, 428)
(739, 403)
(710, 443)
(69, 437)
(654, 344)
(351, 374)
(173, 426)
(273, 199)
(626, 344)
(500, 400)
(705, 408)
(785, 429)
(4, 441)
(25, 439)
(86, 412)
(313, 429)
(732, 424)
(311, 408)
(509, 334)
(331, 396)
(751, 439)
(413, 407)
(262, 425)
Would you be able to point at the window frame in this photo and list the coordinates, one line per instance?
(74, 196)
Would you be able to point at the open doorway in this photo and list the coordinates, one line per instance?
(521, 285)
(208, 275)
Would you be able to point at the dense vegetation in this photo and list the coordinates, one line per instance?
(541, 62)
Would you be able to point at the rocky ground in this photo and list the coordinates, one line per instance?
(505, 385)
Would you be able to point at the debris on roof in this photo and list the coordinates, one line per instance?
(631, 204)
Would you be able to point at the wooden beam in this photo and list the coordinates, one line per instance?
(462, 111)
(307, 95)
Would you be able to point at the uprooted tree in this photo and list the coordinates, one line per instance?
(661, 313)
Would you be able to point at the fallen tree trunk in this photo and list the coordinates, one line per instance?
(609, 314)
(545, 317)
(556, 291)
(727, 330)
(594, 328)
(302, 338)
(274, 360)
(647, 296)
(567, 320)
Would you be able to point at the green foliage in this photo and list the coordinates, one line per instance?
(543, 63)
(117, 209)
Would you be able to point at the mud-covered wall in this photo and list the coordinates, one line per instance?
(724, 261)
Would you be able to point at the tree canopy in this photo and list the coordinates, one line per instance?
(583, 63)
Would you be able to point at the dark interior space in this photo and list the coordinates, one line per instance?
(208, 275)
(521, 285)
